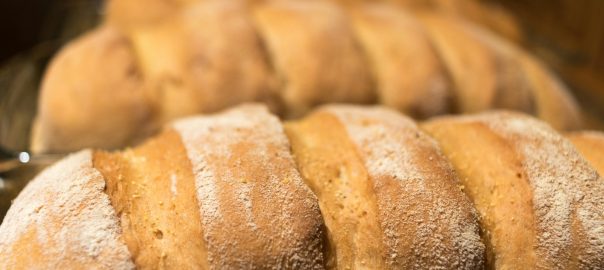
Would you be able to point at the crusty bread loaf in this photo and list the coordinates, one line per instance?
(145, 66)
(159, 218)
(389, 198)
(219, 192)
(541, 203)
(235, 190)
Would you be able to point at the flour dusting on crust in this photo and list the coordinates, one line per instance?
(427, 221)
(566, 190)
(256, 211)
(71, 218)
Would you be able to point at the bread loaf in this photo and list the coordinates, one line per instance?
(175, 58)
(213, 192)
(346, 187)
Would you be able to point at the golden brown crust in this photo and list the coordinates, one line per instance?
(335, 172)
(525, 85)
(489, 72)
(314, 54)
(412, 201)
(152, 190)
(211, 192)
(565, 196)
(591, 145)
(228, 61)
(409, 75)
(489, 14)
(496, 185)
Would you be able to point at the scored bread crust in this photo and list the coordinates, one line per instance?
(562, 208)
(331, 168)
(152, 190)
(318, 63)
(379, 178)
(409, 75)
(256, 211)
(64, 220)
(427, 194)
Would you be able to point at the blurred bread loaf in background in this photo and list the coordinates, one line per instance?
(176, 58)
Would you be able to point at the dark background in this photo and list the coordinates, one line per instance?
(27, 23)
(20, 25)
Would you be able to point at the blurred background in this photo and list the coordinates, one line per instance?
(33, 31)
(567, 34)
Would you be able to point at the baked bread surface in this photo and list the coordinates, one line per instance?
(540, 200)
(346, 187)
(389, 197)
